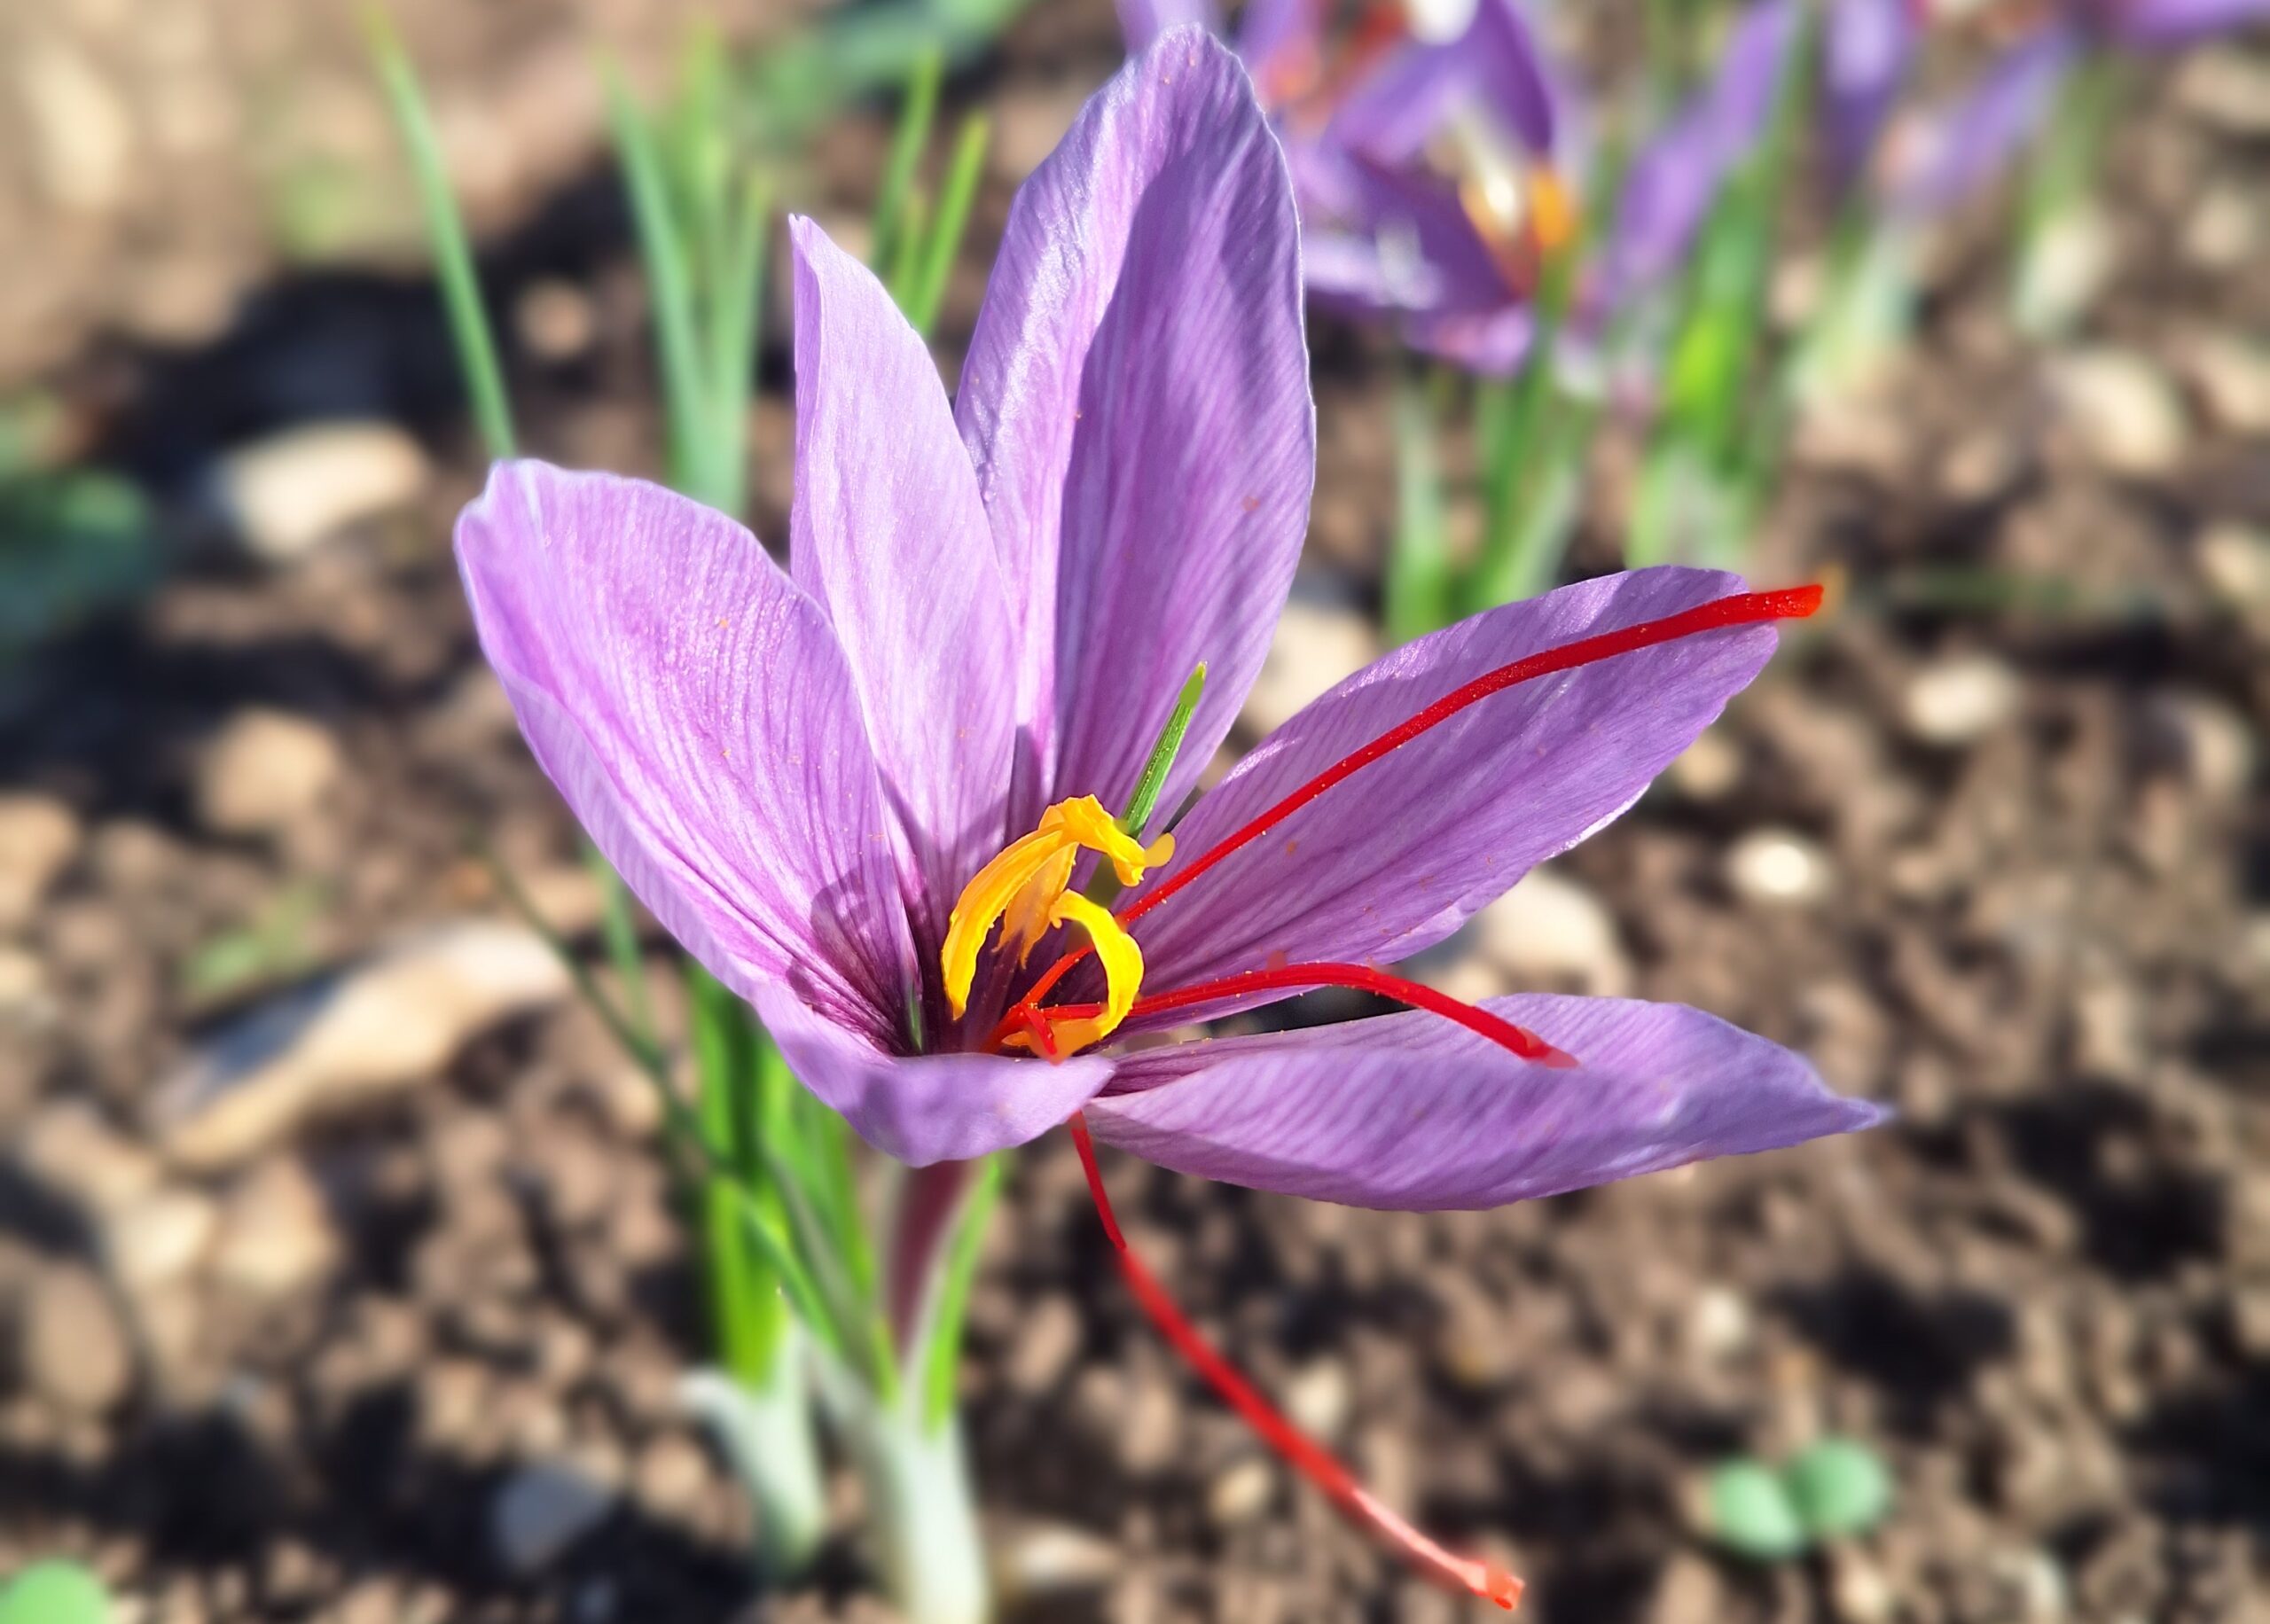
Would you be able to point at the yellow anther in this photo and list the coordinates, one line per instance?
(1122, 978)
(1026, 888)
(1552, 210)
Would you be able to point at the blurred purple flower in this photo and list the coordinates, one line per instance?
(1942, 155)
(828, 784)
(1424, 151)
(1677, 177)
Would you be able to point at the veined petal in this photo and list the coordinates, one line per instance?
(1399, 855)
(1136, 401)
(1411, 1113)
(887, 534)
(695, 711)
(928, 1108)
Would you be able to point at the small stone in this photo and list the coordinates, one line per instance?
(158, 1238)
(1689, 1592)
(2122, 410)
(1778, 867)
(39, 836)
(382, 1024)
(2227, 90)
(286, 493)
(2235, 560)
(26, 1002)
(1317, 1397)
(1241, 1493)
(1719, 1324)
(541, 1510)
(70, 1149)
(1550, 928)
(1039, 1560)
(83, 131)
(2064, 268)
(276, 1236)
(671, 1478)
(2250, 1314)
(1960, 700)
(1044, 1346)
(72, 1351)
(2203, 739)
(2228, 228)
(1317, 645)
(1859, 1593)
(1708, 769)
(2232, 377)
(263, 771)
(555, 319)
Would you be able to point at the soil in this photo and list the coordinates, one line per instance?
(2043, 1291)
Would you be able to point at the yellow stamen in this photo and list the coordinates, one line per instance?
(1026, 887)
(1552, 210)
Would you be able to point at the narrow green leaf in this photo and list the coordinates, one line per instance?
(461, 302)
(905, 266)
(1140, 807)
(955, 200)
(943, 1354)
(671, 287)
(909, 142)
(619, 928)
(734, 341)
(1418, 587)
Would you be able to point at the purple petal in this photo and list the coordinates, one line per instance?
(1393, 115)
(1267, 30)
(928, 1108)
(1412, 1112)
(2170, 25)
(1136, 399)
(1397, 857)
(1867, 47)
(1675, 180)
(1142, 22)
(1946, 154)
(887, 534)
(696, 715)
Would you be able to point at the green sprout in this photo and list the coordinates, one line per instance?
(1837, 1488)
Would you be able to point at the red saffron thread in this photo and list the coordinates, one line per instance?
(1029, 1018)
(1741, 609)
(1310, 1458)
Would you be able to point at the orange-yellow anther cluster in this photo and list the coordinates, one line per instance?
(1027, 888)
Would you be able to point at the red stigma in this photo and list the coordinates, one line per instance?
(1741, 609)
(1307, 1457)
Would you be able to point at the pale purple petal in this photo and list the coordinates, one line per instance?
(1397, 856)
(1413, 1113)
(1945, 154)
(1867, 47)
(1136, 399)
(887, 534)
(1675, 181)
(1270, 30)
(695, 711)
(1142, 22)
(1395, 111)
(928, 1108)
(2168, 25)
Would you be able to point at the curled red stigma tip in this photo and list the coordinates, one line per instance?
(1309, 1457)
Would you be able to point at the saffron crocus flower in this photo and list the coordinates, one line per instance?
(1425, 149)
(1945, 154)
(862, 790)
